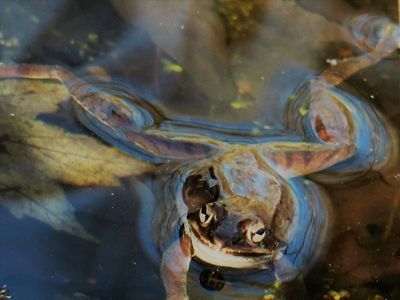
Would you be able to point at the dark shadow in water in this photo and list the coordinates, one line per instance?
(37, 262)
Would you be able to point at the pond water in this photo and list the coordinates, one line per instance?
(69, 230)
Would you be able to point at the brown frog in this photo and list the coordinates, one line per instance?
(239, 204)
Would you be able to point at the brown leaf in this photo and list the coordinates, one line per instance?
(75, 158)
(42, 145)
(28, 194)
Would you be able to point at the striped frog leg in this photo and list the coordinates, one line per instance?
(332, 119)
(292, 159)
(125, 121)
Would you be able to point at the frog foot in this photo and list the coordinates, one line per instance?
(4, 295)
(370, 29)
(333, 116)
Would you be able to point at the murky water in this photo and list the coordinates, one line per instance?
(222, 69)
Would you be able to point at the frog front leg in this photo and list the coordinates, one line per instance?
(175, 263)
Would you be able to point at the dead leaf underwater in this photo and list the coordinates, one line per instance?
(43, 146)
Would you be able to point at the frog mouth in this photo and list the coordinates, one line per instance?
(232, 256)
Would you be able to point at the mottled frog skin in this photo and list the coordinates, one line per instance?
(243, 205)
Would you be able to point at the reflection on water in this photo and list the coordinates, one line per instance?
(214, 73)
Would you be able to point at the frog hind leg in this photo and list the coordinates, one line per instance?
(323, 113)
(121, 119)
(335, 117)
(134, 126)
(293, 159)
(387, 42)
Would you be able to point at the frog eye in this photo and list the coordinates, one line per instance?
(256, 232)
(206, 214)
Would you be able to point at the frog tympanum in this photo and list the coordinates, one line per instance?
(243, 205)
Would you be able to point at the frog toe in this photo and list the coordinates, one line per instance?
(369, 29)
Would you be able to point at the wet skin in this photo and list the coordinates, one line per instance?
(236, 201)
(240, 208)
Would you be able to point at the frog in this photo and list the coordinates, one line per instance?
(241, 204)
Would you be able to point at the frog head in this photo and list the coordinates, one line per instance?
(240, 210)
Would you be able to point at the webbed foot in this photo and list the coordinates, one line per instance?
(369, 29)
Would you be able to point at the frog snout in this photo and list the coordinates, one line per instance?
(226, 231)
(222, 224)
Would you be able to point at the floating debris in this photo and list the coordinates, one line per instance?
(241, 17)
(332, 62)
(333, 295)
(275, 292)
(93, 37)
(170, 66)
(303, 111)
(8, 43)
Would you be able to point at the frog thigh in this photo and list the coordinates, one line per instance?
(292, 159)
(134, 126)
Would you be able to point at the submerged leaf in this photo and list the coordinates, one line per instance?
(76, 158)
(42, 145)
(38, 198)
